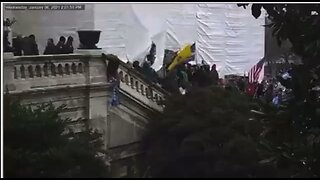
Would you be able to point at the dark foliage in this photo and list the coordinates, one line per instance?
(206, 133)
(292, 132)
(39, 144)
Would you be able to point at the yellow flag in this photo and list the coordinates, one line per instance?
(181, 57)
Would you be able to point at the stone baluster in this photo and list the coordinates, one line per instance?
(151, 94)
(30, 72)
(45, 70)
(156, 97)
(17, 74)
(126, 79)
(73, 68)
(142, 89)
(132, 83)
(137, 86)
(80, 68)
(121, 76)
(37, 71)
(53, 69)
(23, 72)
(67, 69)
(60, 70)
(147, 92)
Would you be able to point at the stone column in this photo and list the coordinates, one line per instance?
(98, 92)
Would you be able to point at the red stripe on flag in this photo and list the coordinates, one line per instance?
(255, 72)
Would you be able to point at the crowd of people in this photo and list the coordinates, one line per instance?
(25, 45)
(186, 76)
(28, 46)
(62, 47)
(145, 68)
(270, 90)
(181, 79)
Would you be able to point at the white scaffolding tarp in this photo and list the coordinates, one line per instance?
(225, 34)
(229, 37)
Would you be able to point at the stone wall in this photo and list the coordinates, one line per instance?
(79, 81)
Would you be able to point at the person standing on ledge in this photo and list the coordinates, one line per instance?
(214, 75)
(17, 45)
(29, 46)
(60, 45)
(50, 48)
(33, 45)
(113, 77)
(68, 47)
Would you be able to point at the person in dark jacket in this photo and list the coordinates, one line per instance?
(182, 76)
(60, 45)
(26, 48)
(214, 75)
(33, 45)
(146, 69)
(241, 84)
(50, 48)
(17, 46)
(29, 45)
(196, 76)
(203, 76)
(136, 66)
(68, 47)
(112, 68)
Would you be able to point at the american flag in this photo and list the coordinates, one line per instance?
(256, 73)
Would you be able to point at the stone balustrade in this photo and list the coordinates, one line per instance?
(79, 81)
(27, 73)
(44, 72)
(137, 86)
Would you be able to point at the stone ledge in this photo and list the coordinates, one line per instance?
(125, 151)
(88, 51)
(140, 102)
(54, 57)
(8, 55)
(56, 88)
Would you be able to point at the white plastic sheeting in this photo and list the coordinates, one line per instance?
(129, 29)
(229, 37)
(225, 35)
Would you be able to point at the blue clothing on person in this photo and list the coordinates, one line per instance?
(115, 101)
(276, 101)
(115, 97)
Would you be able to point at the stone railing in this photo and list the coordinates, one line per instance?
(45, 72)
(138, 86)
(25, 73)
(79, 81)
